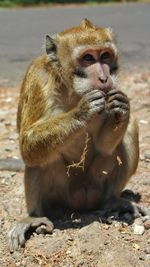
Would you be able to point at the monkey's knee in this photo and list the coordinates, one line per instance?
(18, 233)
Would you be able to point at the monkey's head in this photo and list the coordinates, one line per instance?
(86, 56)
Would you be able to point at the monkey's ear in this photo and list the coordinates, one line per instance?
(85, 23)
(51, 47)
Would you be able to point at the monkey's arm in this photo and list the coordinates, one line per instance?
(44, 124)
(47, 137)
(131, 146)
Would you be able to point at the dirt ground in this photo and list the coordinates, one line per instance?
(81, 240)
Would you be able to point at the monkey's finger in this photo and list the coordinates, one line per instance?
(143, 210)
(43, 229)
(114, 92)
(97, 105)
(40, 221)
(21, 234)
(49, 227)
(95, 94)
(118, 97)
(13, 240)
(22, 239)
(121, 106)
(119, 114)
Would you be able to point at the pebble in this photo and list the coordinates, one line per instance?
(106, 227)
(68, 252)
(138, 229)
(80, 263)
(147, 155)
(138, 221)
(145, 218)
(8, 149)
(136, 246)
(147, 224)
(147, 250)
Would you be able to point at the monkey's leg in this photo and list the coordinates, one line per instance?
(35, 198)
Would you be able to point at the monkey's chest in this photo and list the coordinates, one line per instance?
(79, 151)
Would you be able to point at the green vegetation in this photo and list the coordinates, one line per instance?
(11, 3)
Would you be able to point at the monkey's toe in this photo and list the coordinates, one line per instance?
(123, 207)
(16, 236)
(42, 225)
(141, 210)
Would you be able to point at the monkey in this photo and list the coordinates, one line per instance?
(70, 103)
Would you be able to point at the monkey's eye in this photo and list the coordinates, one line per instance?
(106, 56)
(88, 58)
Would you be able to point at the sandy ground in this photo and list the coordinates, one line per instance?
(81, 239)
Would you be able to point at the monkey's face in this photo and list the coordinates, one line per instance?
(94, 69)
(86, 56)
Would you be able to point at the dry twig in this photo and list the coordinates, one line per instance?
(81, 163)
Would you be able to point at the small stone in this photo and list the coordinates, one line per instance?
(7, 149)
(143, 122)
(136, 246)
(141, 258)
(70, 238)
(147, 250)
(123, 230)
(18, 264)
(117, 224)
(13, 136)
(13, 174)
(138, 221)
(138, 229)
(147, 155)
(145, 218)
(147, 224)
(8, 100)
(80, 263)
(106, 227)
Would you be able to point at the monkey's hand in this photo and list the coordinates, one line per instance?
(18, 234)
(117, 106)
(91, 103)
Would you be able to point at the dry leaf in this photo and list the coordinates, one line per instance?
(104, 172)
(119, 160)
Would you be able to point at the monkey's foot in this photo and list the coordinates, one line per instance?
(18, 234)
(123, 210)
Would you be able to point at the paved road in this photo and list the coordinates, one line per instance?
(22, 33)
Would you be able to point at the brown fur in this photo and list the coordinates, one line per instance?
(53, 122)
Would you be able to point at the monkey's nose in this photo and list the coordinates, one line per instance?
(103, 79)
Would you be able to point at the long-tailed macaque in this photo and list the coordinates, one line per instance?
(77, 138)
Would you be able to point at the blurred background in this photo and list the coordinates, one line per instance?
(24, 24)
(35, 2)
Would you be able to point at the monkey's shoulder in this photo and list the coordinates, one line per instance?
(38, 74)
(40, 63)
